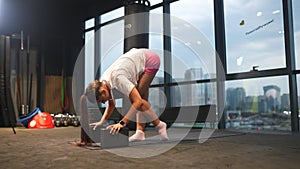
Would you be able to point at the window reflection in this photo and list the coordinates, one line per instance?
(254, 35)
(258, 107)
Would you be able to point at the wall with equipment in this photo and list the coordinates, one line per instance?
(54, 40)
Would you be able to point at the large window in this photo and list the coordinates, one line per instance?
(254, 35)
(296, 14)
(258, 104)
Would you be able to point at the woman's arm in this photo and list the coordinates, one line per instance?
(138, 104)
(108, 111)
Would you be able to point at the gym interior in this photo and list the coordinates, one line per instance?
(227, 85)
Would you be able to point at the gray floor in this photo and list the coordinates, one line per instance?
(52, 148)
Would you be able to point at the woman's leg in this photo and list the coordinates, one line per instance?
(141, 120)
(152, 66)
(143, 88)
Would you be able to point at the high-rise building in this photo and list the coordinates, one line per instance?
(235, 98)
(272, 98)
(193, 93)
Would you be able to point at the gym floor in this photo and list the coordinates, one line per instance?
(52, 148)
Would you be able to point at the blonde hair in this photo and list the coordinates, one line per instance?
(92, 91)
(90, 94)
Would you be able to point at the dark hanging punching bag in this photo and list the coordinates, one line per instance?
(136, 33)
(136, 24)
(2, 80)
(7, 114)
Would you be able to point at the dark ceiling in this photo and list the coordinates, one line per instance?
(49, 15)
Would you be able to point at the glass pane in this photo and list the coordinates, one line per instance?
(193, 94)
(254, 35)
(196, 15)
(112, 15)
(188, 66)
(258, 104)
(157, 99)
(156, 41)
(89, 57)
(111, 47)
(296, 14)
(89, 23)
(112, 42)
(154, 2)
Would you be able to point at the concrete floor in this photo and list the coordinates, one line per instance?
(51, 148)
